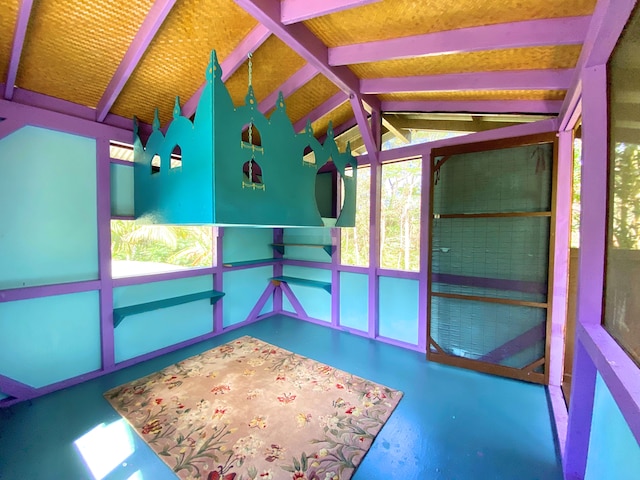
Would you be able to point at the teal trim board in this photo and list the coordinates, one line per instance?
(119, 314)
(303, 281)
(451, 424)
(223, 179)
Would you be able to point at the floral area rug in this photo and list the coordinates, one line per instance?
(251, 410)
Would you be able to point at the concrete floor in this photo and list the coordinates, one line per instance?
(452, 424)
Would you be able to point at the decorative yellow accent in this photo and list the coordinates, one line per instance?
(485, 61)
(402, 18)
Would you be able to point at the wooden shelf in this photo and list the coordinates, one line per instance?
(251, 262)
(302, 281)
(119, 314)
(280, 247)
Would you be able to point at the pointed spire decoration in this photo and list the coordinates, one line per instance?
(177, 111)
(213, 69)
(156, 120)
(308, 129)
(330, 129)
(250, 99)
(280, 105)
(348, 150)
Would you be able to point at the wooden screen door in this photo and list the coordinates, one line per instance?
(492, 215)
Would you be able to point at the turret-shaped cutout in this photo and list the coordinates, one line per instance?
(176, 157)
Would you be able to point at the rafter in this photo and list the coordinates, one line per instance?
(320, 111)
(361, 117)
(531, 33)
(139, 45)
(394, 129)
(19, 34)
(294, 11)
(232, 62)
(475, 106)
(506, 80)
(293, 83)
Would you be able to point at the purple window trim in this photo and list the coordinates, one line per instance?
(335, 276)
(353, 269)
(160, 277)
(387, 272)
(27, 293)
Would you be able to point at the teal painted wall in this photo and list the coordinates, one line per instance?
(146, 332)
(48, 227)
(122, 190)
(47, 340)
(614, 453)
(354, 300)
(315, 301)
(242, 290)
(313, 236)
(398, 309)
(241, 244)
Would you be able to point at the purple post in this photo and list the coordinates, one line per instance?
(374, 243)
(295, 303)
(580, 414)
(255, 311)
(365, 130)
(335, 275)
(218, 281)
(20, 32)
(425, 253)
(278, 237)
(103, 173)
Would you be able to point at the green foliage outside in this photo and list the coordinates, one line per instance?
(355, 241)
(183, 246)
(624, 206)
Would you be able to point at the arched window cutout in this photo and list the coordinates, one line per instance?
(252, 175)
(176, 157)
(251, 141)
(155, 164)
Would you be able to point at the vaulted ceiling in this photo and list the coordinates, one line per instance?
(332, 59)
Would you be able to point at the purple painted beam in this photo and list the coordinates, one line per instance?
(138, 47)
(531, 33)
(475, 106)
(26, 293)
(295, 303)
(19, 34)
(505, 80)
(231, 63)
(363, 123)
(160, 277)
(7, 127)
(292, 84)
(516, 345)
(320, 111)
(255, 311)
(14, 388)
(218, 278)
(607, 22)
(294, 11)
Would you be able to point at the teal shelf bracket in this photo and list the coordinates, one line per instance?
(119, 314)
(280, 247)
(302, 281)
(330, 249)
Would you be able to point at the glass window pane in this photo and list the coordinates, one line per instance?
(400, 215)
(139, 249)
(354, 242)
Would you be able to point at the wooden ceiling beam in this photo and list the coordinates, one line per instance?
(292, 84)
(147, 32)
(531, 33)
(550, 107)
(19, 34)
(557, 79)
(294, 11)
(320, 111)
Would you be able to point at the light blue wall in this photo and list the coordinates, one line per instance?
(315, 301)
(146, 332)
(354, 300)
(242, 290)
(313, 236)
(47, 340)
(122, 190)
(398, 309)
(243, 244)
(48, 224)
(614, 453)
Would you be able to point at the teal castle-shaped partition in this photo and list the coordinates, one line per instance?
(225, 180)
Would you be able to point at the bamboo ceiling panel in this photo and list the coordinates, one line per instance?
(484, 61)
(312, 95)
(7, 27)
(73, 47)
(340, 115)
(402, 18)
(273, 63)
(471, 95)
(177, 58)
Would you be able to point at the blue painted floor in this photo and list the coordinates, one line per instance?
(451, 424)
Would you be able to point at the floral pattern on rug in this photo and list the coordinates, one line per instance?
(248, 410)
